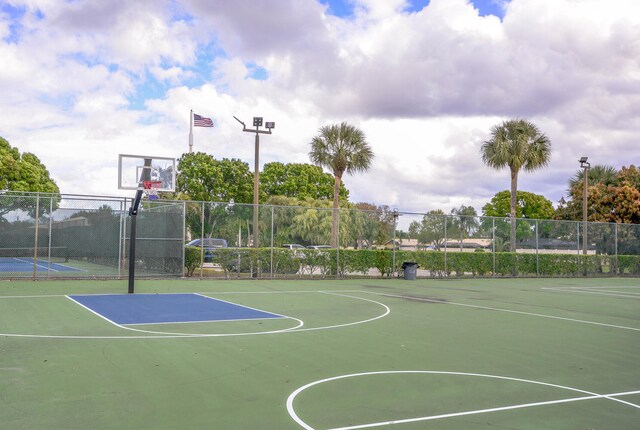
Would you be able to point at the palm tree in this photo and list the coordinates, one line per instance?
(517, 144)
(340, 148)
(466, 220)
(598, 174)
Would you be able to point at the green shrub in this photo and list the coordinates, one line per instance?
(192, 258)
(360, 261)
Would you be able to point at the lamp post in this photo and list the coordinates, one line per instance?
(584, 165)
(257, 123)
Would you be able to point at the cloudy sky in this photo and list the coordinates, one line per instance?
(82, 81)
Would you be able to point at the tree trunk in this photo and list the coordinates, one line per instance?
(334, 220)
(514, 191)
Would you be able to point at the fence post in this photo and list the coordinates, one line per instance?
(184, 235)
(615, 229)
(338, 245)
(445, 244)
(35, 245)
(493, 230)
(271, 269)
(50, 230)
(578, 244)
(202, 239)
(537, 246)
(121, 239)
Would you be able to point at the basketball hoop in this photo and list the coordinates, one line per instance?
(151, 189)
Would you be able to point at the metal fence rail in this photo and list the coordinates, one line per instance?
(72, 236)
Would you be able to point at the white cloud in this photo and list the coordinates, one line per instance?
(426, 87)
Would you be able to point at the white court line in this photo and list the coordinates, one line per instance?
(484, 411)
(48, 267)
(589, 396)
(94, 312)
(199, 293)
(596, 292)
(386, 312)
(40, 296)
(244, 306)
(597, 287)
(206, 321)
(504, 310)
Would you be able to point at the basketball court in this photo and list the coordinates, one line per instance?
(296, 354)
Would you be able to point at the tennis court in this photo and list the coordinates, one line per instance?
(313, 354)
(26, 264)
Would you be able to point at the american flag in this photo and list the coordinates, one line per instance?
(200, 121)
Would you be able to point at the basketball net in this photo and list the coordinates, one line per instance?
(151, 189)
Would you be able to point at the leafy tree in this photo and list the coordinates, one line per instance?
(431, 230)
(528, 205)
(312, 224)
(23, 173)
(302, 181)
(374, 224)
(308, 222)
(201, 177)
(608, 199)
(94, 216)
(340, 148)
(630, 176)
(517, 144)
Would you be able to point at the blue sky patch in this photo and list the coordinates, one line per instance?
(256, 72)
(150, 88)
(341, 8)
(344, 8)
(15, 16)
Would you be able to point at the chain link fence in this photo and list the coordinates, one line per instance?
(70, 236)
(66, 236)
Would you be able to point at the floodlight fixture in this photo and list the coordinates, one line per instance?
(257, 121)
(270, 124)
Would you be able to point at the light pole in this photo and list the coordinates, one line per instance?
(584, 165)
(395, 224)
(257, 123)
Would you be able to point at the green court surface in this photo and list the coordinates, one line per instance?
(353, 354)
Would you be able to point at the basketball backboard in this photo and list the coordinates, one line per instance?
(134, 169)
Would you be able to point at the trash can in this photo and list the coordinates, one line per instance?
(410, 270)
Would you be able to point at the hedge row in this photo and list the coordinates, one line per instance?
(439, 264)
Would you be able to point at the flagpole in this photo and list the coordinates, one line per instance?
(191, 131)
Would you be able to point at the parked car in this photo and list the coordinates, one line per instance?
(209, 244)
(319, 246)
(296, 248)
(293, 246)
